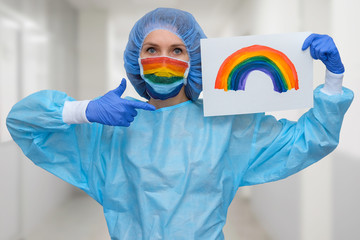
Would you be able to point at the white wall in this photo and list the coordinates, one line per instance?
(346, 193)
(344, 26)
(346, 196)
(277, 207)
(10, 191)
(47, 60)
(93, 53)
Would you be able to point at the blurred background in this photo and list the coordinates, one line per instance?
(76, 46)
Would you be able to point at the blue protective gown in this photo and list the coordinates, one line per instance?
(173, 173)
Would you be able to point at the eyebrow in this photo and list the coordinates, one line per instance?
(156, 45)
(178, 45)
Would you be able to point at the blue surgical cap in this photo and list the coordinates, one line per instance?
(179, 22)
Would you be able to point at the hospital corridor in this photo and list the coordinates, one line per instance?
(77, 47)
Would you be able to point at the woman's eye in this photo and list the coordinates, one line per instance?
(177, 51)
(151, 50)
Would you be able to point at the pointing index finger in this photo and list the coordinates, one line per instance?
(141, 105)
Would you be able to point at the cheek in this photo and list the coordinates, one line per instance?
(145, 54)
(184, 57)
(142, 54)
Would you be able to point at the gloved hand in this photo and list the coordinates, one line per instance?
(113, 110)
(323, 47)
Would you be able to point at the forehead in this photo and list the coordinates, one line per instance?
(162, 37)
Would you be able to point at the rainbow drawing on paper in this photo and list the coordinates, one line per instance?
(235, 70)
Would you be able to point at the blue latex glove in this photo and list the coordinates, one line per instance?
(113, 110)
(323, 47)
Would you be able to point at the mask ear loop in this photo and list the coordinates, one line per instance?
(186, 73)
(141, 68)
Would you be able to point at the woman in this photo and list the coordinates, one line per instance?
(164, 171)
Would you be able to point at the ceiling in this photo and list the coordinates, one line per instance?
(204, 7)
(140, 4)
(213, 15)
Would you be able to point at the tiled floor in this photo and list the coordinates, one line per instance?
(82, 219)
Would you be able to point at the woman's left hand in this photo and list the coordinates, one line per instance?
(323, 47)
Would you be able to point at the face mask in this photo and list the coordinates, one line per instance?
(164, 76)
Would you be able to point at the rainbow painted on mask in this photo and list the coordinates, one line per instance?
(164, 70)
(235, 70)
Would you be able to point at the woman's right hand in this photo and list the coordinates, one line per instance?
(113, 110)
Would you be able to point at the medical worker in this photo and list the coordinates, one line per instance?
(160, 169)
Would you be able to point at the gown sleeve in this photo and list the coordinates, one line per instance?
(281, 148)
(67, 151)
